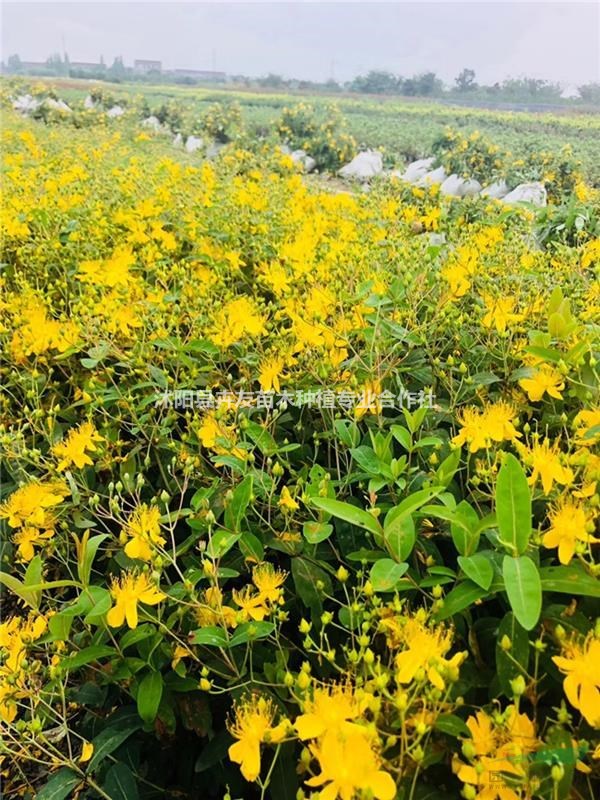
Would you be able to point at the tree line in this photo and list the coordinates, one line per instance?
(376, 82)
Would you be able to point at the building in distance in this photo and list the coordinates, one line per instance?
(210, 76)
(144, 66)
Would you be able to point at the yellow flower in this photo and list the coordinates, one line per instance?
(587, 427)
(16, 633)
(252, 726)
(38, 333)
(211, 610)
(217, 436)
(286, 501)
(270, 372)
(500, 755)
(569, 522)
(236, 319)
(546, 380)
(479, 428)
(268, 581)
(330, 709)
(113, 271)
(458, 278)
(178, 654)
(482, 733)
(350, 768)
(74, 448)
(29, 504)
(369, 399)
(590, 253)
(579, 663)
(143, 529)
(425, 650)
(25, 539)
(500, 312)
(544, 459)
(127, 591)
(252, 605)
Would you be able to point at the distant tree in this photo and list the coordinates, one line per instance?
(56, 65)
(375, 82)
(531, 88)
(14, 64)
(332, 85)
(590, 92)
(465, 81)
(423, 85)
(117, 71)
(427, 83)
(272, 81)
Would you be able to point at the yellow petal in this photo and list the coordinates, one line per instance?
(86, 752)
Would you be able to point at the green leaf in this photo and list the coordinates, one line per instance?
(513, 506)
(109, 739)
(33, 577)
(88, 655)
(136, 635)
(211, 637)
(220, 543)
(87, 602)
(60, 785)
(403, 436)
(569, 580)
(120, 783)
(463, 529)
(478, 568)
(17, 587)
(343, 433)
(250, 631)
(412, 503)
(461, 597)
(452, 725)
(515, 661)
(352, 514)
(59, 626)
(158, 376)
(366, 459)
(399, 535)
(101, 606)
(235, 511)
(524, 589)
(315, 532)
(446, 470)
(261, 438)
(307, 577)
(91, 548)
(385, 574)
(148, 696)
(251, 547)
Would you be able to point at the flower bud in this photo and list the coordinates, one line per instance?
(342, 575)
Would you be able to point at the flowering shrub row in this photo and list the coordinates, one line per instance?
(279, 600)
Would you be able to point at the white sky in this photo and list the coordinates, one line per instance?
(557, 41)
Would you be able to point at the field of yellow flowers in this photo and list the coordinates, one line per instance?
(299, 487)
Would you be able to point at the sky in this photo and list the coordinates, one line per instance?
(316, 41)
